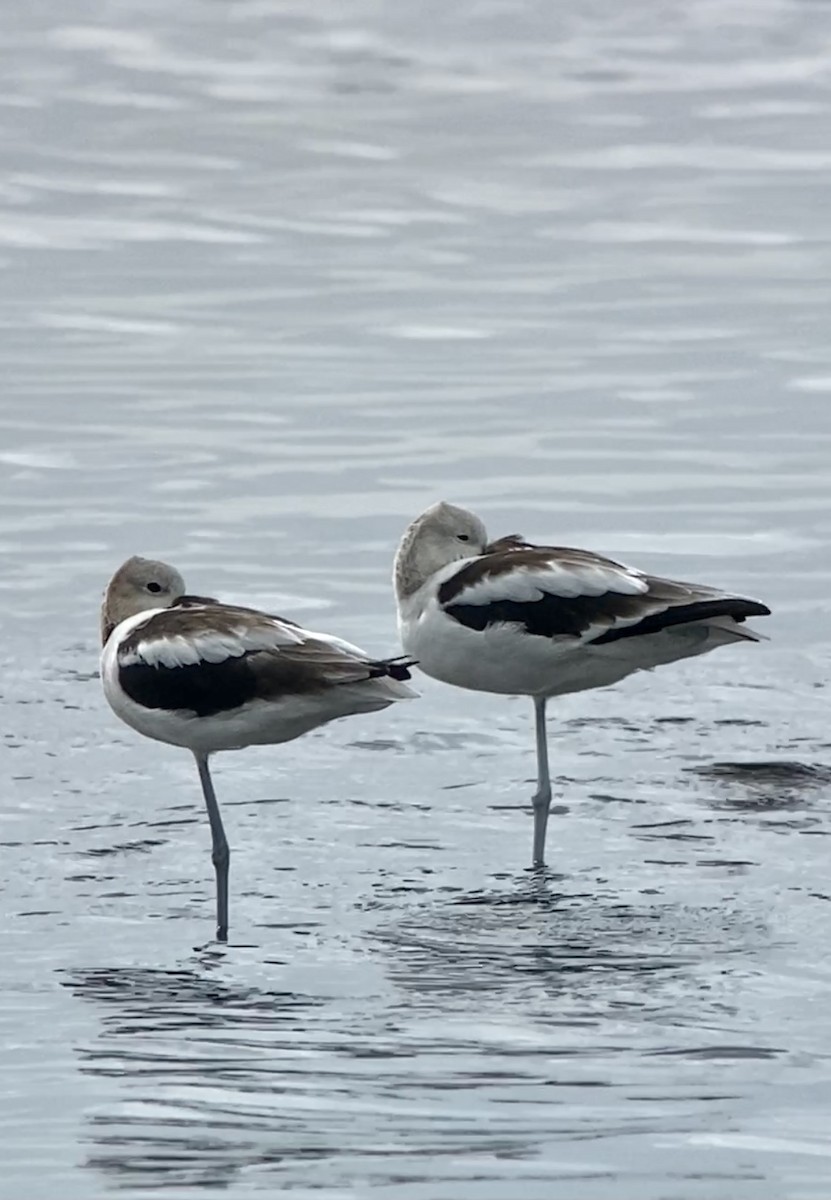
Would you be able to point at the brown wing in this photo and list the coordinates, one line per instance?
(560, 592)
(212, 658)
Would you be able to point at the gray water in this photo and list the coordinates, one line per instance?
(275, 276)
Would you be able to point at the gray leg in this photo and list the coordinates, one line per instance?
(221, 855)
(542, 797)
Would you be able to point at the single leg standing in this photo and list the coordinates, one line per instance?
(221, 855)
(542, 797)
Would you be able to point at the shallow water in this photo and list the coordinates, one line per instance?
(277, 275)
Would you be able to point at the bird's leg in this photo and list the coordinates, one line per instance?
(220, 855)
(542, 796)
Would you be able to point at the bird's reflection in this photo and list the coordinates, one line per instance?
(592, 949)
(214, 1078)
(762, 789)
(187, 1046)
(152, 1001)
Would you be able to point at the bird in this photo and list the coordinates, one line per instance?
(515, 618)
(194, 672)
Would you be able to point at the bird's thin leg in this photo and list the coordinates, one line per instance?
(542, 797)
(220, 855)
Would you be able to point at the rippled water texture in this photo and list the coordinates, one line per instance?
(275, 276)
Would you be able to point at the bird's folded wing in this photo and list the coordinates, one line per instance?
(565, 594)
(209, 658)
(208, 633)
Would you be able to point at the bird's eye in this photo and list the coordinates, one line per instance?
(154, 587)
(462, 537)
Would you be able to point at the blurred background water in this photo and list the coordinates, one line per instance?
(276, 275)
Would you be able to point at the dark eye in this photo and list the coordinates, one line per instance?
(154, 587)
(462, 537)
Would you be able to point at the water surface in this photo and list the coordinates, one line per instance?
(276, 276)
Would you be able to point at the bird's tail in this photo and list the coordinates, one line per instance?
(393, 668)
(384, 682)
(732, 631)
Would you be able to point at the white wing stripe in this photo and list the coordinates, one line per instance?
(210, 645)
(528, 584)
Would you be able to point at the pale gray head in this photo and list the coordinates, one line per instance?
(443, 534)
(138, 584)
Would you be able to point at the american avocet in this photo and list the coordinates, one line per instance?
(540, 621)
(194, 672)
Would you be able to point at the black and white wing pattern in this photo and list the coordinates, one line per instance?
(206, 658)
(574, 595)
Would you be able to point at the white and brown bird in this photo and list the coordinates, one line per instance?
(540, 621)
(193, 672)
